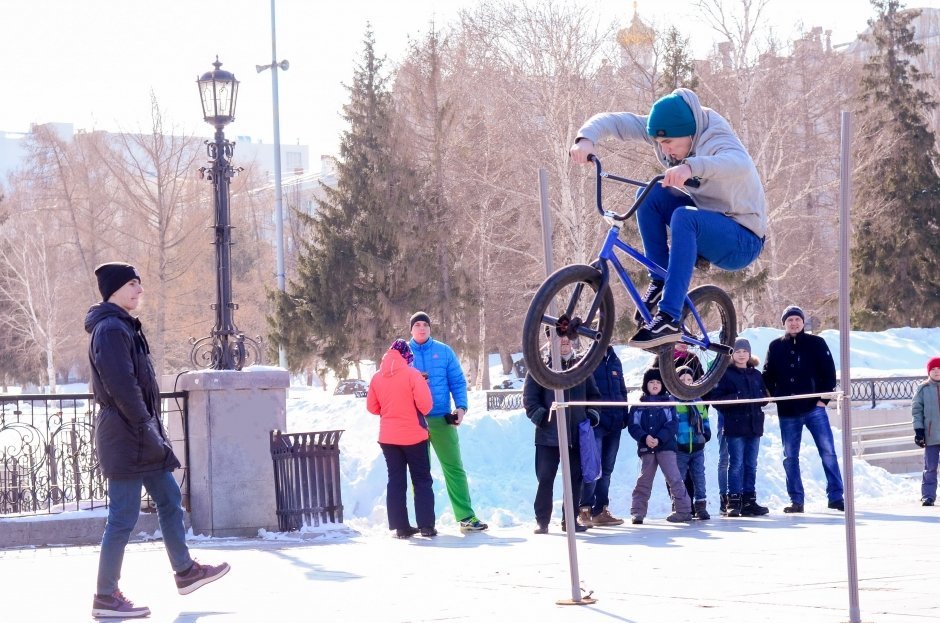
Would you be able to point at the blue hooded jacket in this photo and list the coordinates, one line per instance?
(445, 376)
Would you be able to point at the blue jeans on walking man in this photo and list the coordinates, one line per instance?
(791, 434)
(693, 232)
(597, 494)
(123, 511)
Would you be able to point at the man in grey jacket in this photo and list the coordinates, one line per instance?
(724, 220)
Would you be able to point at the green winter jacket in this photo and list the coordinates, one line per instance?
(925, 411)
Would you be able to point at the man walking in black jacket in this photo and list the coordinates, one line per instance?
(798, 364)
(131, 443)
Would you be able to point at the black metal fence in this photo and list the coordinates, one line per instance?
(873, 390)
(894, 388)
(47, 452)
(306, 478)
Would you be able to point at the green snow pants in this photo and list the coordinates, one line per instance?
(446, 446)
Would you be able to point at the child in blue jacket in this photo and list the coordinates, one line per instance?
(654, 429)
(692, 434)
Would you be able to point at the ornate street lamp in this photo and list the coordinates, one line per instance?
(225, 348)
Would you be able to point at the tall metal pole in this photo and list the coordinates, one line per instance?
(845, 203)
(278, 195)
(561, 419)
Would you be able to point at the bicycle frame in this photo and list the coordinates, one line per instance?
(608, 256)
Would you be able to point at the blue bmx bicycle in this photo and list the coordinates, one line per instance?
(577, 302)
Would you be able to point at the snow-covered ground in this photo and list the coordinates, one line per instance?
(498, 450)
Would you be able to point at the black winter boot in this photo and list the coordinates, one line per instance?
(734, 505)
(750, 507)
(700, 512)
(723, 505)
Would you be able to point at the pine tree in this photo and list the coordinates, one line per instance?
(678, 65)
(354, 286)
(896, 254)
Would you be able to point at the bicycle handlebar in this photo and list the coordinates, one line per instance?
(646, 186)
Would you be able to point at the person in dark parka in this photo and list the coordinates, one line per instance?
(743, 427)
(131, 443)
(537, 401)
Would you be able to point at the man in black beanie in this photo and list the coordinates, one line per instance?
(131, 443)
(798, 364)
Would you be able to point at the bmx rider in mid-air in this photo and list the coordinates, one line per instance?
(724, 220)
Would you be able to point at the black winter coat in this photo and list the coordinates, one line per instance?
(801, 364)
(609, 378)
(537, 400)
(129, 437)
(745, 419)
(659, 422)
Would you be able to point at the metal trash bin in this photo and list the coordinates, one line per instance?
(306, 478)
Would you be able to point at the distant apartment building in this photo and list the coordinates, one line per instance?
(295, 159)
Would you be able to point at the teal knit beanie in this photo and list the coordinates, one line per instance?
(670, 117)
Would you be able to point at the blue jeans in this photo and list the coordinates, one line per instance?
(928, 484)
(742, 464)
(722, 457)
(596, 494)
(714, 236)
(791, 434)
(693, 463)
(123, 511)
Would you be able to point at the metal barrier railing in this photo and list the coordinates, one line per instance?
(47, 452)
(884, 441)
(873, 390)
(306, 478)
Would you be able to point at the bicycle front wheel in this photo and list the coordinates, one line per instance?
(571, 302)
(719, 320)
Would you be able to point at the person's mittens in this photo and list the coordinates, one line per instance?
(919, 438)
(594, 417)
(538, 416)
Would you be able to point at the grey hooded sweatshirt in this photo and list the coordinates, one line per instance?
(729, 180)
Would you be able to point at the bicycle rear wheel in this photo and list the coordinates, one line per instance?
(720, 322)
(574, 291)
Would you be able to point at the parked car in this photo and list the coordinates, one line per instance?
(357, 387)
(510, 384)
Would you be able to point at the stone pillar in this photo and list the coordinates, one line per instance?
(231, 415)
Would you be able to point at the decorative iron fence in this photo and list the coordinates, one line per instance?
(47, 452)
(306, 478)
(892, 388)
(873, 390)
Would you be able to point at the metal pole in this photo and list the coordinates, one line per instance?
(278, 196)
(561, 420)
(845, 202)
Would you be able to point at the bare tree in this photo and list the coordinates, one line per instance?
(163, 208)
(33, 285)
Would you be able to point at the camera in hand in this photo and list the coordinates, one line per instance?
(451, 418)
